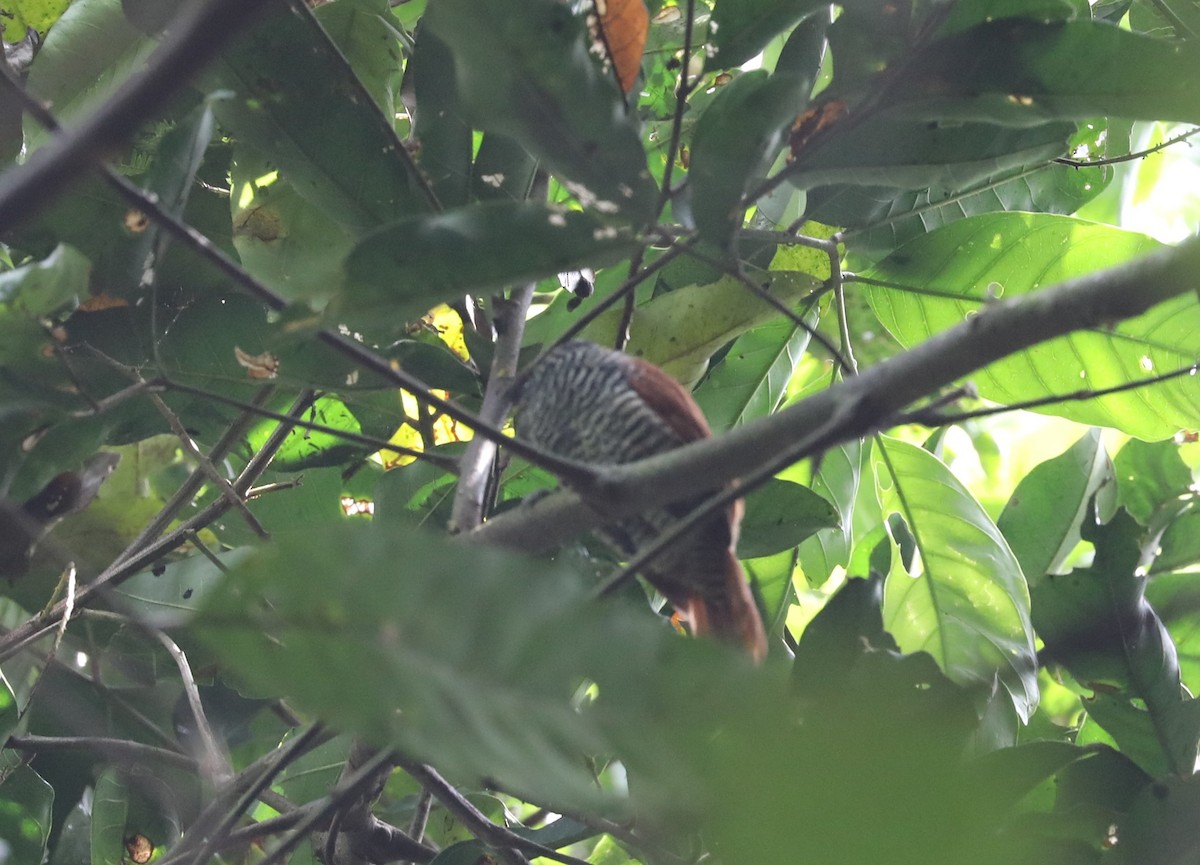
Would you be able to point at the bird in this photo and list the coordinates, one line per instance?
(23, 526)
(600, 406)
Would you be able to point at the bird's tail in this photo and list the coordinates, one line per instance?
(731, 613)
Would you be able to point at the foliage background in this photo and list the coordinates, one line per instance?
(256, 644)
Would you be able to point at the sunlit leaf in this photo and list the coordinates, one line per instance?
(965, 601)
(752, 378)
(43, 286)
(736, 139)
(1041, 521)
(944, 277)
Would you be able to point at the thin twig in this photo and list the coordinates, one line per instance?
(344, 792)
(1128, 157)
(214, 824)
(130, 562)
(497, 837)
(216, 761)
(931, 416)
(183, 496)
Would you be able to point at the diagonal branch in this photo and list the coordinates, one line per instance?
(194, 38)
(862, 404)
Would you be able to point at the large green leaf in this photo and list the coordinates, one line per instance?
(282, 238)
(444, 134)
(110, 810)
(880, 218)
(345, 158)
(1096, 622)
(442, 651)
(412, 265)
(965, 600)
(1161, 827)
(1151, 477)
(682, 329)
(1042, 518)
(836, 480)
(523, 69)
(939, 280)
(943, 157)
(88, 54)
(1020, 71)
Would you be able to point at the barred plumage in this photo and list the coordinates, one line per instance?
(597, 405)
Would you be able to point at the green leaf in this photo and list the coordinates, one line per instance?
(169, 595)
(463, 853)
(836, 480)
(110, 809)
(503, 169)
(952, 272)
(1161, 827)
(364, 32)
(1179, 544)
(25, 814)
(74, 840)
(751, 380)
(966, 601)
(42, 287)
(38, 15)
(737, 138)
(681, 329)
(9, 713)
(880, 218)
(171, 179)
(1018, 71)
(88, 54)
(1042, 518)
(941, 157)
(442, 636)
(779, 516)
(742, 28)
(345, 159)
(310, 449)
(523, 69)
(1150, 476)
(281, 237)
(1096, 622)
(444, 135)
(412, 265)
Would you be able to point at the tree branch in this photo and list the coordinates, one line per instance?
(194, 38)
(863, 404)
